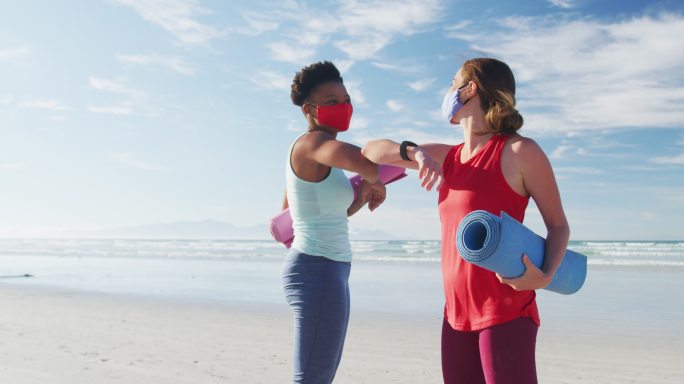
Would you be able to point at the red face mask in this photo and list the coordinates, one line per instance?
(335, 116)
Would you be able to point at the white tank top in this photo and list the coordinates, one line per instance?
(319, 212)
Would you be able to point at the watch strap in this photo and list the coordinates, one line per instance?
(403, 147)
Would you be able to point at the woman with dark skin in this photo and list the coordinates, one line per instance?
(320, 198)
(490, 322)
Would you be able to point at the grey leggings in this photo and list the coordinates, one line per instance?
(317, 290)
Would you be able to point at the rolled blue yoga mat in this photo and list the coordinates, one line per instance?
(497, 244)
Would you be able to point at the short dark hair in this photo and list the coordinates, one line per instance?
(310, 77)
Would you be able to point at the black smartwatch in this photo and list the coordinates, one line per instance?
(402, 149)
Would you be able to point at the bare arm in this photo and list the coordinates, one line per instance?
(540, 182)
(286, 205)
(338, 154)
(323, 149)
(355, 207)
(360, 201)
(426, 158)
(384, 151)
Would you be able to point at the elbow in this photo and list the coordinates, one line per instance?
(373, 151)
(368, 152)
(560, 230)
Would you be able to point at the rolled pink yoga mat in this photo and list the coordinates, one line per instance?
(281, 224)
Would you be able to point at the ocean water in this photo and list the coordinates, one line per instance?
(391, 276)
(600, 253)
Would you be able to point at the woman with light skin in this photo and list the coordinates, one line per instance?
(320, 198)
(490, 322)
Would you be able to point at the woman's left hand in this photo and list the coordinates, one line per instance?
(533, 278)
(429, 170)
(377, 194)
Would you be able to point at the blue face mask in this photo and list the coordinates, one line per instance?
(452, 104)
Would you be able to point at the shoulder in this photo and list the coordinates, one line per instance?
(524, 154)
(523, 147)
(313, 140)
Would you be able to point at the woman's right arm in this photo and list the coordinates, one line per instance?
(338, 154)
(426, 158)
(286, 205)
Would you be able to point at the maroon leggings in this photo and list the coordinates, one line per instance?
(500, 354)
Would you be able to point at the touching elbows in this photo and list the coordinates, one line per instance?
(374, 150)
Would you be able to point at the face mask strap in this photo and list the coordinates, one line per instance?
(459, 95)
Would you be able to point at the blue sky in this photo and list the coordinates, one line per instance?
(130, 112)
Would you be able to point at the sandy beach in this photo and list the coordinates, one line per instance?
(51, 335)
(69, 337)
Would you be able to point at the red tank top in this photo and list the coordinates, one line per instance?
(475, 299)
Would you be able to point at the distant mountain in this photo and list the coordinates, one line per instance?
(206, 229)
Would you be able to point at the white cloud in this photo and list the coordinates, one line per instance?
(373, 25)
(565, 4)
(578, 170)
(134, 101)
(363, 49)
(420, 136)
(131, 160)
(406, 66)
(394, 105)
(355, 92)
(296, 125)
(358, 123)
(270, 80)
(258, 23)
(671, 160)
(595, 152)
(291, 53)
(114, 86)
(561, 151)
(589, 74)
(14, 54)
(13, 166)
(179, 17)
(112, 109)
(49, 104)
(436, 116)
(461, 25)
(462, 30)
(360, 29)
(300, 30)
(422, 84)
(343, 65)
(173, 63)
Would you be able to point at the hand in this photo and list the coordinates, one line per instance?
(376, 194)
(429, 170)
(533, 278)
(363, 192)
